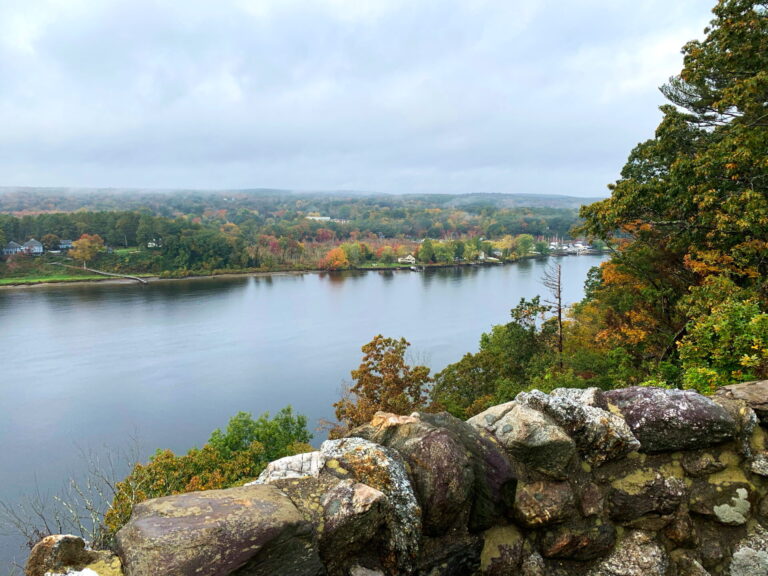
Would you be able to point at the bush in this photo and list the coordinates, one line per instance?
(228, 459)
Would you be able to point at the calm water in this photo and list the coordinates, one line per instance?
(85, 367)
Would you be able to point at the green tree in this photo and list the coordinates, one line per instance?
(50, 241)
(276, 434)
(726, 340)
(501, 367)
(458, 249)
(692, 202)
(427, 252)
(383, 381)
(523, 245)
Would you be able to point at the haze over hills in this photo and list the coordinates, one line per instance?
(16, 199)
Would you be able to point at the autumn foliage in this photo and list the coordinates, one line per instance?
(383, 381)
(86, 247)
(335, 259)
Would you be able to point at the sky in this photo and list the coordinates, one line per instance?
(411, 96)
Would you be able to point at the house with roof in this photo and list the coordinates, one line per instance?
(32, 246)
(11, 248)
(410, 259)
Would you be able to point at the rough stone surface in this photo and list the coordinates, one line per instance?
(746, 422)
(753, 393)
(531, 438)
(489, 418)
(750, 557)
(543, 503)
(759, 465)
(384, 470)
(701, 463)
(720, 496)
(645, 500)
(441, 468)
(502, 551)
(360, 571)
(254, 530)
(354, 517)
(520, 491)
(669, 420)
(495, 479)
(600, 435)
(588, 396)
(686, 564)
(736, 512)
(681, 530)
(637, 554)
(58, 553)
(298, 466)
(581, 540)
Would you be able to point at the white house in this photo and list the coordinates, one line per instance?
(407, 260)
(32, 246)
(11, 248)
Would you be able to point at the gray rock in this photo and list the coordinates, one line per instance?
(687, 564)
(531, 438)
(669, 420)
(384, 470)
(746, 421)
(254, 530)
(750, 556)
(360, 571)
(753, 393)
(588, 396)
(736, 512)
(533, 565)
(759, 464)
(297, 466)
(354, 519)
(637, 554)
(727, 501)
(489, 418)
(600, 435)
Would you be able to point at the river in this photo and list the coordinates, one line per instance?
(92, 367)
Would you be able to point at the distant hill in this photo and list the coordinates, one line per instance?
(20, 200)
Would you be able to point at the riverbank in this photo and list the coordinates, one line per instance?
(37, 282)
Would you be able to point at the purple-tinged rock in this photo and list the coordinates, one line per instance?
(669, 420)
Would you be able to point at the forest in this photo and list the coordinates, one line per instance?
(178, 234)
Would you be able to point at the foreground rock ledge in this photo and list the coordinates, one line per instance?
(640, 481)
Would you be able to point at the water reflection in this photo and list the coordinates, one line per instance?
(89, 365)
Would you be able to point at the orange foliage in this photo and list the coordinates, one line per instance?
(335, 259)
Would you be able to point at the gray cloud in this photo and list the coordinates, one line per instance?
(389, 95)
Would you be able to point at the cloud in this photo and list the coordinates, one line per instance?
(434, 95)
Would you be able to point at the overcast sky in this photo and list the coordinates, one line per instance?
(541, 96)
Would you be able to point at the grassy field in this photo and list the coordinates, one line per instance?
(49, 279)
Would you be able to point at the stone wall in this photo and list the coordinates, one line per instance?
(638, 481)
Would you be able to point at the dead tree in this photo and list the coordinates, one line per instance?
(553, 281)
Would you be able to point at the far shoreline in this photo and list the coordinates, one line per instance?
(262, 274)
